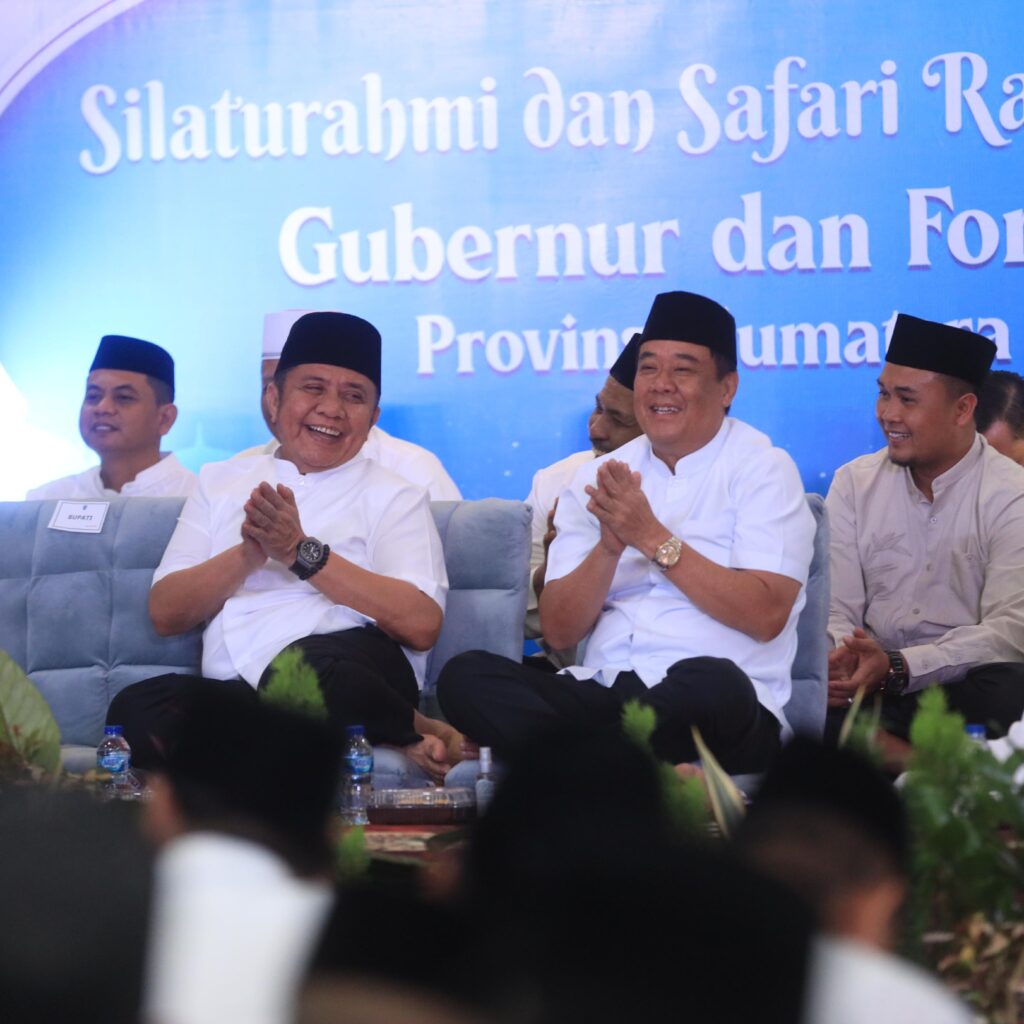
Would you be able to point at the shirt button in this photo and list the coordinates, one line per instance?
(929, 567)
(934, 519)
(917, 611)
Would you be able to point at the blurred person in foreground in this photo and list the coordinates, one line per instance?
(829, 826)
(76, 880)
(585, 906)
(241, 815)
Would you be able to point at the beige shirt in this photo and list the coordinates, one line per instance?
(941, 581)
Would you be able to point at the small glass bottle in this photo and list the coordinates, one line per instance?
(484, 781)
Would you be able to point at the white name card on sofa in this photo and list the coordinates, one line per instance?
(79, 516)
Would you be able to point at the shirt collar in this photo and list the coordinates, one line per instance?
(694, 463)
(287, 471)
(951, 477)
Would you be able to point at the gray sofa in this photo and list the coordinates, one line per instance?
(74, 615)
(73, 607)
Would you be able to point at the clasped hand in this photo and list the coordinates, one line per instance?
(860, 661)
(622, 509)
(272, 523)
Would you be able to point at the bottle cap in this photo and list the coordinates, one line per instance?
(113, 730)
(354, 730)
(975, 731)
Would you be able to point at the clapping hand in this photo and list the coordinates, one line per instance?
(272, 522)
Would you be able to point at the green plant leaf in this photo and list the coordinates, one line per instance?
(294, 685)
(851, 717)
(352, 859)
(639, 722)
(726, 800)
(27, 725)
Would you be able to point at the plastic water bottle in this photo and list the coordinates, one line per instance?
(484, 781)
(114, 756)
(358, 766)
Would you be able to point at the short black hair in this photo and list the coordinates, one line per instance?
(1001, 399)
(723, 364)
(161, 389)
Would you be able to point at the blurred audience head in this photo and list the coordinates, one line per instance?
(830, 826)
(246, 768)
(76, 882)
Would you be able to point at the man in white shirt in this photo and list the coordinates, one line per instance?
(682, 557)
(127, 410)
(611, 425)
(411, 462)
(241, 816)
(927, 544)
(315, 548)
(830, 827)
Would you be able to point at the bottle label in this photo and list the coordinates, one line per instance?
(115, 762)
(359, 764)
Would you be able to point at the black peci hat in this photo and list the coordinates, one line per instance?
(118, 352)
(336, 339)
(624, 368)
(925, 345)
(684, 316)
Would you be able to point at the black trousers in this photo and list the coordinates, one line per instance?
(364, 675)
(500, 703)
(991, 695)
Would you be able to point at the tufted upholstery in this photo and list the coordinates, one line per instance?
(74, 615)
(806, 707)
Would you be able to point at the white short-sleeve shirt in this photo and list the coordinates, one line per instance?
(548, 484)
(167, 478)
(739, 502)
(366, 514)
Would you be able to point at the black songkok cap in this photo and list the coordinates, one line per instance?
(337, 339)
(237, 758)
(684, 316)
(842, 782)
(117, 352)
(924, 345)
(624, 369)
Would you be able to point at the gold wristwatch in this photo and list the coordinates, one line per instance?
(668, 554)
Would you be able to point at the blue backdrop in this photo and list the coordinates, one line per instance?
(502, 188)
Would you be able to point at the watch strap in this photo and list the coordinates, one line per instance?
(303, 569)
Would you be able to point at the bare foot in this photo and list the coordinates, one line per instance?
(431, 755)
(457, 747)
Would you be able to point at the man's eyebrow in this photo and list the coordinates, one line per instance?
(686, 357)
(905, 389)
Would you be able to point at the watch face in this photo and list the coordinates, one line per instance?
(310, 551)
(668, 554)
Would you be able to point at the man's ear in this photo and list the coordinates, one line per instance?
(730, 385)
(376, 416)
(273, 401)
(167, 414)
(965, 406)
